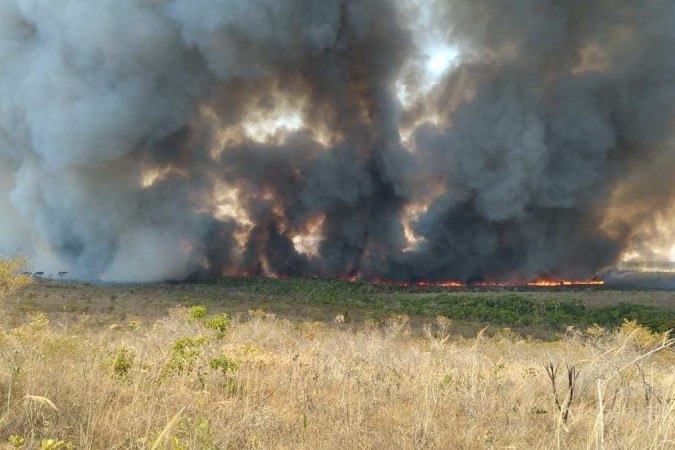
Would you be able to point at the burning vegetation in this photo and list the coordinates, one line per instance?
(542, 283)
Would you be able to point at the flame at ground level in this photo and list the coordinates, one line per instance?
(543, 283)
(553, 283)
(449, 284)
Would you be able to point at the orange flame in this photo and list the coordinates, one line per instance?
(453, 284)
(543, 283)
(555, 283)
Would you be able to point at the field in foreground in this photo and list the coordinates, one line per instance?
(163, 367)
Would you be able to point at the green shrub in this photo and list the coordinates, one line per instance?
(185, 353)
(224, 364)
(219, 322)
(228, 367)
(122, 361)
(197, 312)
(656, 319)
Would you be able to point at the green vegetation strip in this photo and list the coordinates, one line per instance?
(503, 308)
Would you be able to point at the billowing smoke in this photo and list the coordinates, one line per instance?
(417, 139)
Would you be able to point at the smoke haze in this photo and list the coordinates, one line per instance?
(147, 140)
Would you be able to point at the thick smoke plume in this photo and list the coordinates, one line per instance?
(157, 139)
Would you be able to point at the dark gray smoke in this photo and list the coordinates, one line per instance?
(156, 139)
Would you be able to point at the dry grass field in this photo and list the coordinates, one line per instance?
(165, 367)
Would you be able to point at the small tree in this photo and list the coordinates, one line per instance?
(10, 275)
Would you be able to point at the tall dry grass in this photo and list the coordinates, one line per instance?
(195, 381)
(11, 278)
